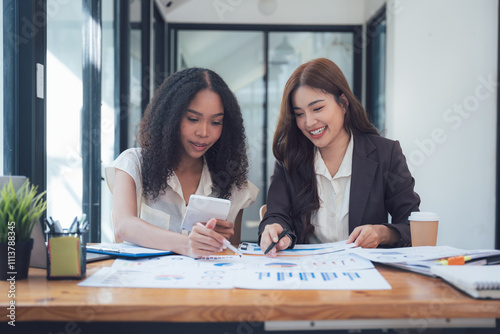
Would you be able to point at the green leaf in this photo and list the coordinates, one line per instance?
(24, 207)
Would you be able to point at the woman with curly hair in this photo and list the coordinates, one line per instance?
(192, 142)
(335, 178)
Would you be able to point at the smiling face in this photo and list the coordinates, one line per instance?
(201, 125)
(319, 117)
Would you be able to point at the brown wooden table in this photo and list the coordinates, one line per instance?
(413, 296)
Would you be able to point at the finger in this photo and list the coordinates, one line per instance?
(206, 249)
(360, 238)
(283, 243)
(224, 230)
(370, 238)
(224, 223)
(206, 235)
(266, 238)
(206, 242)
(354, 234)
(275, 230)
(272, 253)
(211, 223)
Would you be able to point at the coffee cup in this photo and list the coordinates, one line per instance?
(424, 228)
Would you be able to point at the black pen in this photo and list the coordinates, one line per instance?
(281, 236)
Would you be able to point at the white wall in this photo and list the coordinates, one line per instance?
(441, 104)
(315, 12)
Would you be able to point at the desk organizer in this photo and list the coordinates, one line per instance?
(66, 255)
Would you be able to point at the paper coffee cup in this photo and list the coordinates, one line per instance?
(424, 228)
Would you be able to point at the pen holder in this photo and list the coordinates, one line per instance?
(66, 255)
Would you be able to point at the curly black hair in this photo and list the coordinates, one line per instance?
(159, 134)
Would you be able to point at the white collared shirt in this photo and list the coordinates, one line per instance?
(331, 221)
(168, 209)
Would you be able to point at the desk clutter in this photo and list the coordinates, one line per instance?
(66, 249)
(333, 266)
(344, 271)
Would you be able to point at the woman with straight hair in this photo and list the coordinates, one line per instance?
(335, 177)
(192, 141)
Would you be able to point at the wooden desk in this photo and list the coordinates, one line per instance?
(413, 296)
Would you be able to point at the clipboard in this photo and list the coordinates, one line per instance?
(126, 250)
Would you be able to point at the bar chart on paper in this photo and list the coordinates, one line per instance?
(368, 279)
(338, 271)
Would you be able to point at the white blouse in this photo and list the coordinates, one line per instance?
(167, 210)
(331, 221)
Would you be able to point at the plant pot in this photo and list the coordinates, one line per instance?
(17, 266)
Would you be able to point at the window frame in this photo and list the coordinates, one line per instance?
(25, 113)
(371, 69)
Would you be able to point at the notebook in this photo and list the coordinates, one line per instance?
(481, 282)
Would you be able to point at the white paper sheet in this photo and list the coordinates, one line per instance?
(251, 248)
(226, 272)
(368, 279)
(408, 254)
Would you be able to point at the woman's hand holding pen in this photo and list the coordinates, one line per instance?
(271, 235)
(204, 240)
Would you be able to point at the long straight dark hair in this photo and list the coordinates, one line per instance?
(295, 151)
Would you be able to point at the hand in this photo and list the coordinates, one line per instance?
(270, 235)
(204, 241)
(224, 228)
(370, 236)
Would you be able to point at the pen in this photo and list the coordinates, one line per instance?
(455, 260)
(74, 226)
(110, 250)
(231, 247)
(57, 226)
(81, 222)
(226, 243)
(273, 244)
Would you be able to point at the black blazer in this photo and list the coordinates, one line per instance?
(381, 184)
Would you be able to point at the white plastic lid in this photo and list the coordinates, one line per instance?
(423, 216)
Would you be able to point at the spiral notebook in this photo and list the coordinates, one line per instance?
(481, 282)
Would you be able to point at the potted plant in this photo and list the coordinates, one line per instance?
(19, 212)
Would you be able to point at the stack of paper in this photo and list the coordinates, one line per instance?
(421, 259)
(337, 271)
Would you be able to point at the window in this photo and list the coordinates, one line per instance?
(107, 114)
(375, 70)
(64, 117)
